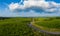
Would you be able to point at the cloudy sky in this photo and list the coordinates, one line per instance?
(29, 8)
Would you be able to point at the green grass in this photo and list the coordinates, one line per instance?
(19, 27)
(49, 24)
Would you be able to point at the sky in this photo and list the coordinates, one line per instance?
(29, 8)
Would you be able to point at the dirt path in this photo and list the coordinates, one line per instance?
(43, 31)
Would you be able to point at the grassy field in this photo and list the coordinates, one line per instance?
(19, 26)
(48, 24)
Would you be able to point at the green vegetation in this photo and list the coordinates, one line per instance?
(19, 26)
(49, 24)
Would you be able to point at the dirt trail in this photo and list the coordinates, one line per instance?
(43, 31)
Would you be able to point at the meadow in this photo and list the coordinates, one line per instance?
(18, 26)
(51, 24)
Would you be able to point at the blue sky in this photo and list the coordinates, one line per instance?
(28, 11)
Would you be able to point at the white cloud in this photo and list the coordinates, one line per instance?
(34, 14)
(7, 13)
(46, 6)
(13, 6)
